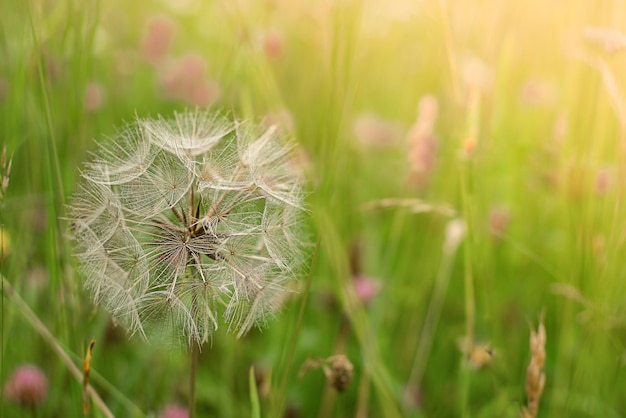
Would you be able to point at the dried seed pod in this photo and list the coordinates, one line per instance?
(339, 372)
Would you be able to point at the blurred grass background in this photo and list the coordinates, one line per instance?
(525, 142)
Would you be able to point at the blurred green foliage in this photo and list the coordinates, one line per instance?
(527, 147)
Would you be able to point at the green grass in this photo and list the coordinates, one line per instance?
(564, 236)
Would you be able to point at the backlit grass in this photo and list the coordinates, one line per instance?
(498, 205)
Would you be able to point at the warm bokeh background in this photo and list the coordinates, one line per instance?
(466, 165)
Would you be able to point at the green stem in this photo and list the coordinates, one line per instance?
(432, 318)
(292, 349)
(330, 394)
(470, 307)
(195, 349)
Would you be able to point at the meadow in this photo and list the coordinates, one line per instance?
(465, 177)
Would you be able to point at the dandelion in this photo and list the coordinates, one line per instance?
(180, 222)
(476, 74)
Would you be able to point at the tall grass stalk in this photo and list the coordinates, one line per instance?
(36, 323)
(454, 235)
(278, 404)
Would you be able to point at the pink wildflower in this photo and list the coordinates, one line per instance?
(94, 97)
(273, 43)
(184, 80)
(372, 131)
(603, 181)
(422, 142)
(174, 411)
(27, 386)
(366, 288)
(157, 38)
(498, 221)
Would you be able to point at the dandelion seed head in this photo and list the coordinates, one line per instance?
(181, 224)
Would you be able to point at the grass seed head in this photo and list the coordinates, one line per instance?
(339, 372)
(535, 377)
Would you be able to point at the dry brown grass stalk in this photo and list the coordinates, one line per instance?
(535, 377)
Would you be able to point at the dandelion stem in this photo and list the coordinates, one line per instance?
(193, 364)
(195, 348)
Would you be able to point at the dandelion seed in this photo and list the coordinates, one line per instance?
(180, 221)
